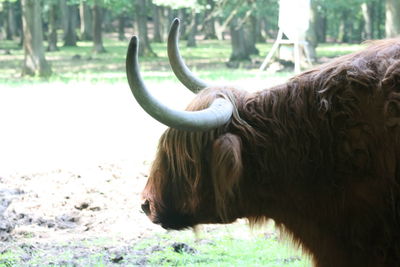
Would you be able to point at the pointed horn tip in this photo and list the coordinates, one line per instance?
(176, 21)
(133, 45)
(175, 24)
(134, 40)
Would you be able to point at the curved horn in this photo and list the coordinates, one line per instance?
(181, 71)
(217, 114)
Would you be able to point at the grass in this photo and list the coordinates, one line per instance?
(20, 258)
(230, 245)
(75, 64)
(8, 259)
(233, 245)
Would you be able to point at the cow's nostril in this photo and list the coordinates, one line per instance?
(146, 207)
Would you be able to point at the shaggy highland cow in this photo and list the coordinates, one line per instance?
(320, 155)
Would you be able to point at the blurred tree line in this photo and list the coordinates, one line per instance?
(246, 21)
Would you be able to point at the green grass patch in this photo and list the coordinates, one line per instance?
(8, 259)
(207, 60)
(232, 245)
(335, 50)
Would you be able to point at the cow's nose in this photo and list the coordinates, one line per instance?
(146, 207)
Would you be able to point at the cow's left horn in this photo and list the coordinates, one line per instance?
(181, 71)
(217, 114)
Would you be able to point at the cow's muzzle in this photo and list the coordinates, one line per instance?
(146, 207)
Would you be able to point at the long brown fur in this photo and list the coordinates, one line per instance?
(319, 155)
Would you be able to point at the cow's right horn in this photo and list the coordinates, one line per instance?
(181, 71)
(217, 114)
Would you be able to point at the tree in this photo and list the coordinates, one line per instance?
(242, 37)
(312, 33)
(320, 21)
(1, 24)
(342, 20)
(191, 38)
(86, 21)
(121, 9)
(97, 27)
(34, 59)
(11, 23)
(239, 49)
(169, 9)
(379, 24)
(392, 24)
(368, 15)
(69, 16)
(157, 13)
(141, 20)
(250, 34)
(52, 38)
(121, 27)
(107, 18)
(209, 22)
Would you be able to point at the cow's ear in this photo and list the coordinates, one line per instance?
(226, 169)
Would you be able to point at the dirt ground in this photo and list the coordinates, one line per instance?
(51, 211)
(73, 161)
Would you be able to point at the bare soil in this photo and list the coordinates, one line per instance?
(53, 212)
(73, 161)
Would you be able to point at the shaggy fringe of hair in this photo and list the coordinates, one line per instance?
(186, 165)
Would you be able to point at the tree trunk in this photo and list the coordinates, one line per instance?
(260, 35)
(239, 51)
(86, 22)
(191, 40)
(209, 23)
(20, 32)
(311, 34)
(168, 16)
(121, 27)
(157, 24)
(2, 30)
(11, 20)
(70, 19)
(367, 11)
(359, 31)
(266, 29)
(345, 29)
(141, 19)
(184, 23)
(320, 21)
(380, 19)
(250, 35)
(7, 27)
(392, 24)
(97, 31)
(7, 32)
(64, 16)
(52, 27)
(107, 21)
(34, 60)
